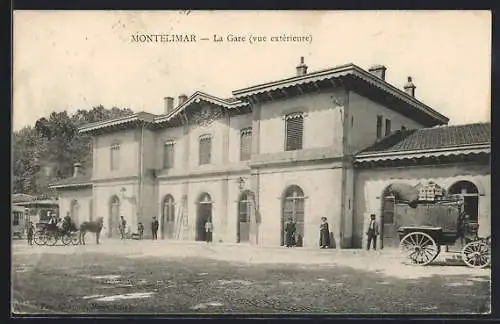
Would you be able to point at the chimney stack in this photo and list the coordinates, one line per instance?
(169, 104)
(182, 99)
(378, 71)
(76, 169)
(301, 68)
(410, 87)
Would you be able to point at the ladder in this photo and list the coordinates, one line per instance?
(182, 222)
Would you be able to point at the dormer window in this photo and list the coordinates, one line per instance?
(294, 129)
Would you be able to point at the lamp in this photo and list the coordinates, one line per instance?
(241, 183)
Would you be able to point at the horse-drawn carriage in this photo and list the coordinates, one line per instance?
(50, 234)
(424, 228)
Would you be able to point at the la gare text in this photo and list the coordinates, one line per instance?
(229, 38)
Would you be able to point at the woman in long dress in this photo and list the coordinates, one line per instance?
(324, 234)
(290, 230)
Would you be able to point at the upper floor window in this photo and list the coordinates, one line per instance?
(387, 126)
(205, 153)
(168, 154)
(115, 157)
(294, 129)
(245, 144)
(379, 126)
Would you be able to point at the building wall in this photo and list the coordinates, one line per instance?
(104, 191)
(237, 123)
(370, 183)
(362, 121)
(129, 154)
(323, 191)
(83, 198)
(322, 121)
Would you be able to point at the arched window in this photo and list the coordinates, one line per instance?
(115, 157)
(294, 129)
(471, 197)
(244, 214)
(205, 150)
(245, 144)
(293, 208)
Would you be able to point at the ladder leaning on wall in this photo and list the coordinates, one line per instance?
(182, 222)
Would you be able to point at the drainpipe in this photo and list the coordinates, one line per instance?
(141, 163)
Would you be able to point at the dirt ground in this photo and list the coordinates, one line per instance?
(166, 278)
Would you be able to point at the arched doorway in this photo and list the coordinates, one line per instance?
(471, 197)
(293, 207)
(114, 217)
(389, 234)
(168, 218)
(75, 208)
(204, 213)
(244, 214)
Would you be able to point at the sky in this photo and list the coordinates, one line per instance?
(70, 60)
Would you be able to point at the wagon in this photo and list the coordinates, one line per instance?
(425, 228)
(44, 235)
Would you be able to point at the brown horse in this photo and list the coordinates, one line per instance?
(91, 226)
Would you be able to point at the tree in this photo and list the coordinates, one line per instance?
(54, 143)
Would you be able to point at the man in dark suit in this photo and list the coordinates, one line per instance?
(372, 233)
(154, 228)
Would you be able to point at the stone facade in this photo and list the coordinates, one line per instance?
(319, 179)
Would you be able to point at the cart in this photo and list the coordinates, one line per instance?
(425, 228)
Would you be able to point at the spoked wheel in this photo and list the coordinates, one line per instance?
(477, 254)
(70, 238)
(52, 239)
(420, 248)
(40, 238)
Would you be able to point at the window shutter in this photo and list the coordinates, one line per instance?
(205, 150)
(294, 131)
(115, 157)
(387, 127)
(168, 155)
(379, 126)
(245, 144)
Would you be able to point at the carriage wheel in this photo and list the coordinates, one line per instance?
(52, 239)
(67, 238)
(40, 238)
(477, 254)
(420, 248)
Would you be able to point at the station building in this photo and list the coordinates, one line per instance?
(325, 143)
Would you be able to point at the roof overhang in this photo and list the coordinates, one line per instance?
(416, 154)
(134, 120)
(340, 72)
(71, 185)
(199, 97)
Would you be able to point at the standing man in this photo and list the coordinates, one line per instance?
(140, 229)
(209, 227)
(123, 226)
(31, 233)
(372, 233)
(154, 228)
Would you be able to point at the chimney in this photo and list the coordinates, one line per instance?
(378, 71)
(76, 169)
(301, 68)
(169, 104)
(182, 99)
(410, 87)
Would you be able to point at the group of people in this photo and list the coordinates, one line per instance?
(324, 233)
(140, 228)
(55, 223)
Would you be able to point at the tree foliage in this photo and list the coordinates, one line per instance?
(46, 152)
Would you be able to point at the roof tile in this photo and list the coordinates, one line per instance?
(433, 138)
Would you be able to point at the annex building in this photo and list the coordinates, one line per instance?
(327, 143)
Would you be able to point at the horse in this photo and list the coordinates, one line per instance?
(91, 226)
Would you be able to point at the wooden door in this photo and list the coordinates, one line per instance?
(388, 227)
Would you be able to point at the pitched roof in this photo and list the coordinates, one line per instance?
(437, 138)
(84, 179)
